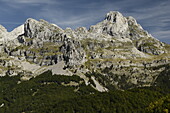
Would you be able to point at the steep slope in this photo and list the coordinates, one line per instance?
(115, 53)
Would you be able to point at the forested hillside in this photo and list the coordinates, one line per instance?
(69, 94)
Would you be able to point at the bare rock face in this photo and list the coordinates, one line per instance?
(114, 25)
(51, 43)
(39, 29)
(117, 52)
(119, 23)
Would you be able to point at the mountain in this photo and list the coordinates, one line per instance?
(116, 53)
(114, 66)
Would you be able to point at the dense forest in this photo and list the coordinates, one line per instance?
(49, 93)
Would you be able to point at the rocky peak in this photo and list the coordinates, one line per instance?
(37, 29)
(114, 16)
(114, 24)
(29, 25)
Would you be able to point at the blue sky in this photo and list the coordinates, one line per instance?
(153, 15)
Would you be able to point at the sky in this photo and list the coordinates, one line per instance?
(153, 15)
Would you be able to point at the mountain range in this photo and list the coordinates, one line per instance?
(116, 53)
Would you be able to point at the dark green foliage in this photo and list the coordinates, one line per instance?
(38, 94)
(163, 79)
(160, 106)
(58, 79)
(134, 101)
(46, 94)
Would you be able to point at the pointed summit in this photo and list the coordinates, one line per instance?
(113, 16)
(114, 24)
(33, 27)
